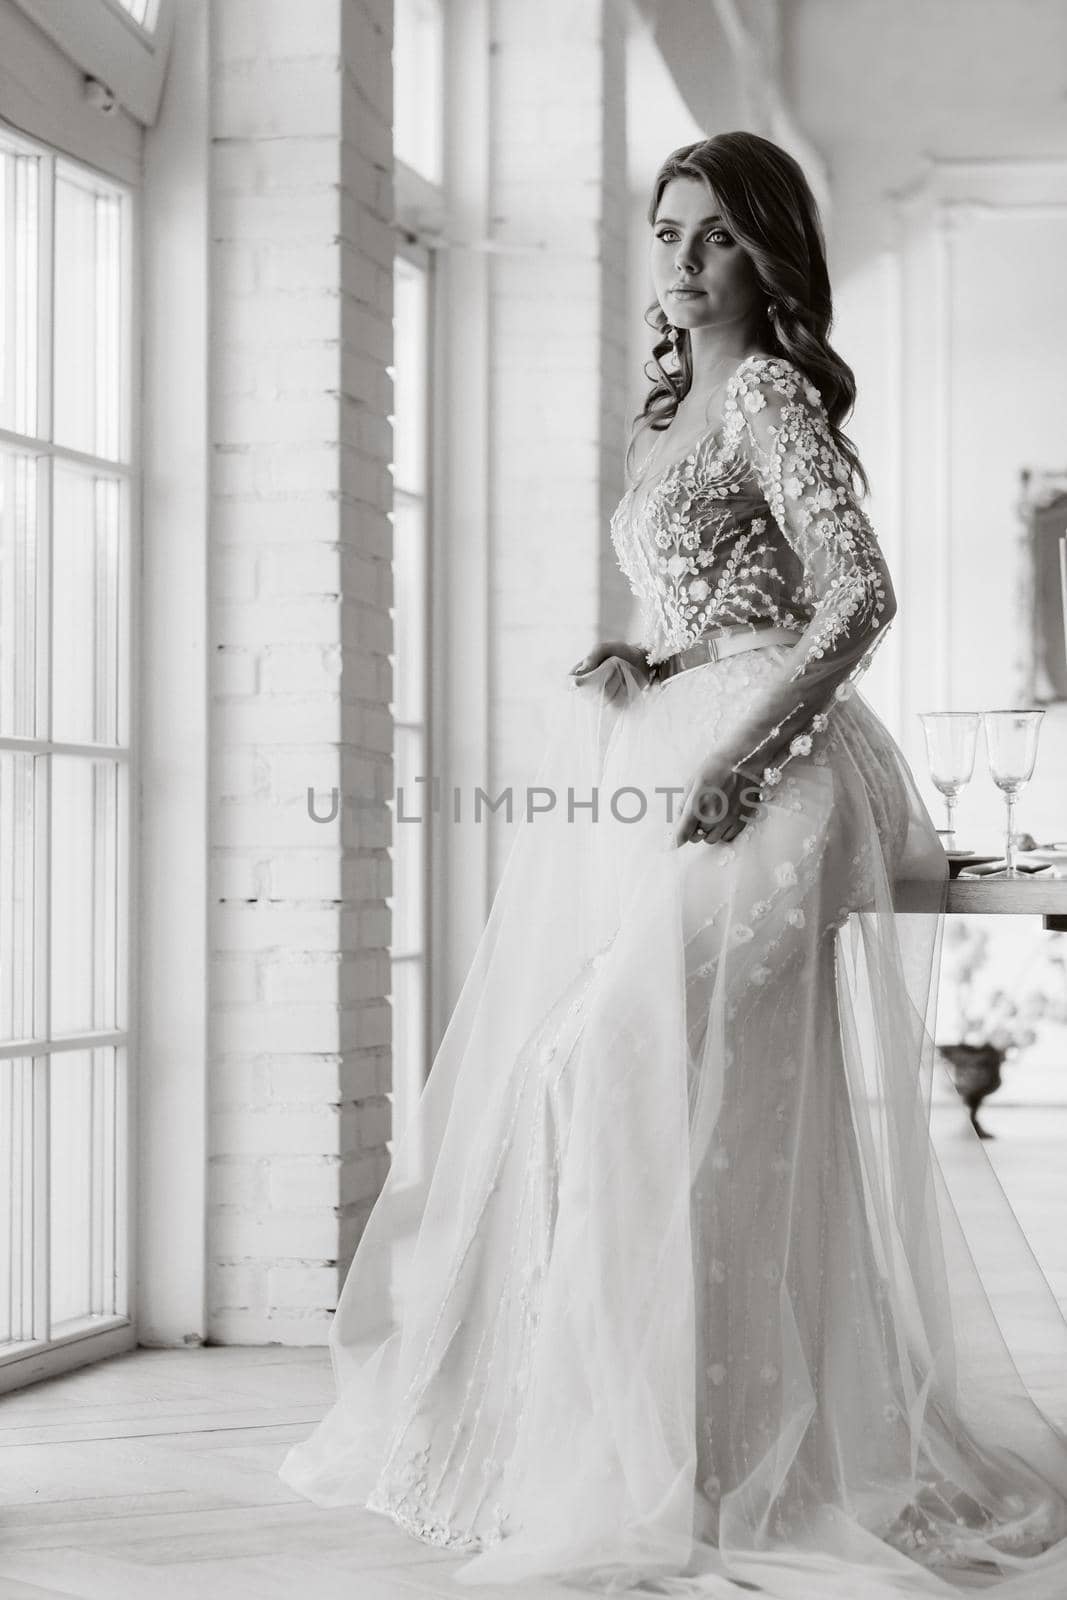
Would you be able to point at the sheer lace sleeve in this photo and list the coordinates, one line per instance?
(783, 432)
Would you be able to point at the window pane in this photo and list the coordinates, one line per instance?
(19, 188)
(418, 73)
(410, 374)
(143, 12)
(410, 839)
(409, 1065)
(16, 1200)
(410, 845)
(18, 593)
(66, 300)
(87, 576)
(409, 612)
(17, 922)
(88, 350)
(86, 872)
(82, 1110)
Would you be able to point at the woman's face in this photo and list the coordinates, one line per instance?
(692, 247)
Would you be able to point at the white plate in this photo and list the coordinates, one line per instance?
(1035, 869)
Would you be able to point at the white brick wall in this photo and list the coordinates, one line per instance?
(302, 254)
(558, 360)
(301, 274)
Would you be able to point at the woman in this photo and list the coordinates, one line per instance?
(666, 1286)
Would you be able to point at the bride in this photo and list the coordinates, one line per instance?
(667, 1286)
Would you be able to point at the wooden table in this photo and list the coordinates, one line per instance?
(1044, 896)
(1041, 896)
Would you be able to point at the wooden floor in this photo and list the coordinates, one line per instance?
(152, 1476)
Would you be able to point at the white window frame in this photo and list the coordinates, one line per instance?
(43, 1356)
(421, 953)
(455, 220)
(102, 38)
(451, 220)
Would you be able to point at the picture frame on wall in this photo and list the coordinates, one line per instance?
(1043, 515)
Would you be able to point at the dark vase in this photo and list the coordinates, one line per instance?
(975, 1071)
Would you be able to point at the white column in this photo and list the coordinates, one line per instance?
(558, 309)
(300, 588)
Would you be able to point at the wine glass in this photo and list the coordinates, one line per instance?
(1011, 743)
(951, 737)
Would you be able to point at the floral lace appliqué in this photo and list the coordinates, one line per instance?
(759, 522)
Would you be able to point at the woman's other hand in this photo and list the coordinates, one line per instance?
(719, 803)
(613, 681)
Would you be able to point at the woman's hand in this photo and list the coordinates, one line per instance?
(613, 681)
(718, 804)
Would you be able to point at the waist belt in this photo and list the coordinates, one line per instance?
(724, 643)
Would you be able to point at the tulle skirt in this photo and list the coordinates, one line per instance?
(668, 1285)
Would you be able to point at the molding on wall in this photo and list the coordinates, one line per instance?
(1039, 488)
(893, 505)
(949, 198)
(952, 181)
(942, 565)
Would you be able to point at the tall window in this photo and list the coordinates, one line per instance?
(418, 82)
(418, 78)
(66, 486)
(412, 751)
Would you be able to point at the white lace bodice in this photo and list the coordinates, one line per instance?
(759, 522)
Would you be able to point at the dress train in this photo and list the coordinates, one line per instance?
(668, 1287)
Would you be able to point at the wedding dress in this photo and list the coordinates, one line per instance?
(668, 1285)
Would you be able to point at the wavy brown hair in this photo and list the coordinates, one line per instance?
(767, 205)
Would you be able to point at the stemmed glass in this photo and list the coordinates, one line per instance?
(951, 737)
(1011, 743)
